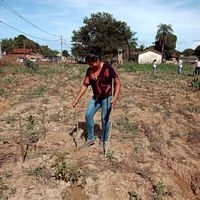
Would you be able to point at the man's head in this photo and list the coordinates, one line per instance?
(92, 59)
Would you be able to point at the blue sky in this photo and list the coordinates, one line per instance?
(61, 17)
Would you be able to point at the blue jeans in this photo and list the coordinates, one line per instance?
(154, 70)
(198, 71)
(179, 70)
(92, 108)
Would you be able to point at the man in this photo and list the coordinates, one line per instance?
(99, 75)
(180, 66)
(154, 65)
(198, 66)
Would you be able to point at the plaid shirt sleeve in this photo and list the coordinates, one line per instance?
(86, 80)
(113, 73)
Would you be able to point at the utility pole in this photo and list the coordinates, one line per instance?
(0, 51)
(61, 48)
(0, 48)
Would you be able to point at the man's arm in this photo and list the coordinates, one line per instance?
(117, 86)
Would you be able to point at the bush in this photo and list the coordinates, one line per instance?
(66, 173)
(196, 83)
(31, 65)
(9, 62)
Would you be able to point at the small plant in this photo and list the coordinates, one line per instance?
(31, 65)
(10, 120)
(196, 83)
(67, 174)
(133, 196)
(138, 148)
(8, 80)
(1, 71)
(109, 154)
(5, 190)
(31, 123)
(4, 92)
(37, 171)
(5, 175)
(4, 140)
(159, 189)
(31, 131)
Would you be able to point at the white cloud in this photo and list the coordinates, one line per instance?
(64, 16)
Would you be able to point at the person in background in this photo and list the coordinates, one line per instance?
(197, 69)
(99, 75)
(180, 65)
(154, 65)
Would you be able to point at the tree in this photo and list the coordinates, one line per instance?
(132, 44)
(188, 52)
(7, 45)
(103, 31)
(170, 42)
(65, 53)
(20, 41)
(47, 52)
(197, 51)
(163, 35)
(141, 47)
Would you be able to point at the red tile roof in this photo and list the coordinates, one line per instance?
(21, 51)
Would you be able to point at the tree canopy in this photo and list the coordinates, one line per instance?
(165, 39)
(197, 51)
(188, 52)
(47, 52)
(65, 53)
(22, 41)
(105, 32)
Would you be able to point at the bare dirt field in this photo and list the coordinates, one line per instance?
(154, 151)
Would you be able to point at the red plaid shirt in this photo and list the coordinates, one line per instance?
(102, 85)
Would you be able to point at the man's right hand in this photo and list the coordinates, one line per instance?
(74, 103)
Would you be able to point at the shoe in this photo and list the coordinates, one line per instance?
(87, 144)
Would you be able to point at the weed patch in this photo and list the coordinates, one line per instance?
(196, 83)
(159, 190)
(67, 173)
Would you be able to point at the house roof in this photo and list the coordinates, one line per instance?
(147, 50)
(21, 51)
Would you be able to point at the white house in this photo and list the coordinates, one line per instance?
(148, 56)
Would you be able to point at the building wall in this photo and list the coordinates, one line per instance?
(148, 57)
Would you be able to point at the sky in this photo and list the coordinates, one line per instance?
(46, 21)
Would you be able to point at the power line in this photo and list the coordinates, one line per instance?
(9, 8)
(67, 44)
(27, 33)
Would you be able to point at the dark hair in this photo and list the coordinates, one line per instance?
(91, 57)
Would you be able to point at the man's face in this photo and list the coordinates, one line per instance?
(93, 64)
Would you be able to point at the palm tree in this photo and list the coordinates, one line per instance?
(132, 44)
(164, 30)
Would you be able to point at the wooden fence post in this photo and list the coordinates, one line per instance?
(21, 139)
